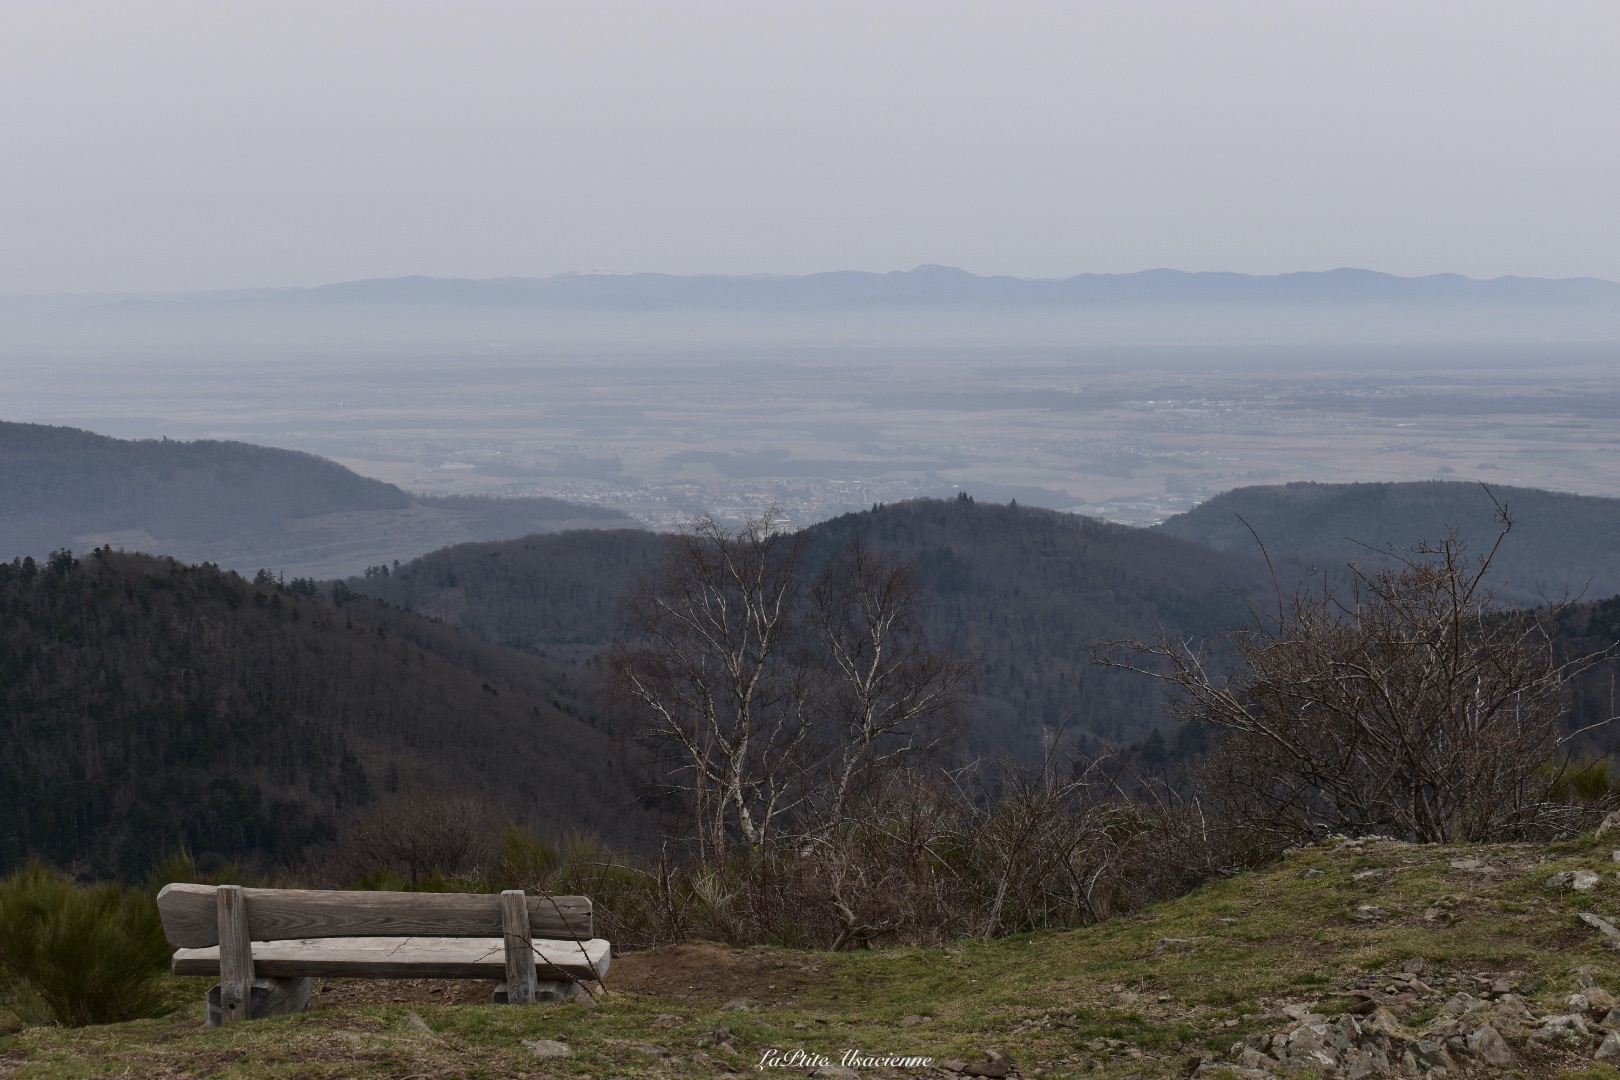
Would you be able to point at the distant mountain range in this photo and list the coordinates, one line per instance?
(922, 287)
(1350, 304)
(241, 506)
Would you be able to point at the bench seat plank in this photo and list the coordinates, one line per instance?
(404, 958)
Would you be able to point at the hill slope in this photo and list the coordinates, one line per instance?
(1425, 944)
(147, 706)
(1559, 542)
(241, 506)
(1022, 590)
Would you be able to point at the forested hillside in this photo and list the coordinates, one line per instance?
(1559, 543)
(1022, 591)
(235, 504)
(147, 706)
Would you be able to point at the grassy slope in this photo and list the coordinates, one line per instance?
(1111, 1000)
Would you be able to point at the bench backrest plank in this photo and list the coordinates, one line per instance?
(191, 915)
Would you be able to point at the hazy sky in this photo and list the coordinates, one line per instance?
(168, 145)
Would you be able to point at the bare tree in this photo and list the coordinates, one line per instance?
(891, 694)
(420, 837)
(1417, 706)
(705, 663)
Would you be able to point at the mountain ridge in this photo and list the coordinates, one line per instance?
(920, 286)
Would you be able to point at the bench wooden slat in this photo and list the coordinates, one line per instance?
(404, 958)
(191, 920)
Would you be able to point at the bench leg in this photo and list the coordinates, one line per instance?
(544, 990)
(267, 997)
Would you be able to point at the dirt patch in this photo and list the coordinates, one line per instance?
(346, 993)
(711, 973)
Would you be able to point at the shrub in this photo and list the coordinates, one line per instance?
(77, 954)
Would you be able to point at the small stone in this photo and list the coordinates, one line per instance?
(649, 1049)
(1611, 1020)
(1577, 1003)
(413, 1022)
(1585, 881)
(667, 1021)
(1609, 1049)
(1500, 987)
(547, 1048)
(953, 1065)
(1488, 1046)
(1467, 864)
(1363, 875)
(1599, 1000)
(1311, 872)
(1370, 911)
(1609, 822)
(736, 1005)
(910, 1021)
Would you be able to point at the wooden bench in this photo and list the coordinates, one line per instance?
(266, 944)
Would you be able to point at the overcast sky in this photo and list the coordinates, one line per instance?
(167, 145)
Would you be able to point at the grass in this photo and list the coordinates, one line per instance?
(1140, 996)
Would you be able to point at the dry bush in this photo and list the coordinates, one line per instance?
(1415, 706)
(414, 843)
(930, 858)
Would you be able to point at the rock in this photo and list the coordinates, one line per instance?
(993, 1069)
(1510, 1008)
(667, 1021)
(1216, 1070)
(1311, 872)
(1432, 1055)
(1609, 823)
(414, 1022)
(1254, 1059)
(1500, 987)
(910, 1021)
(547, 1048)
(1601, 925)
(1611, 1020)
(835, 1072)
(1579, 880)
(1577, 1003)
(1488, 1047)
(1363, 875)
(1370, 911)
(1383, 1022)
(953, 1066)
(1609, 1049)
(650, 1050)
(736, 1005)
(1467, 864)
(1458, 1004)
(1565, 1030)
